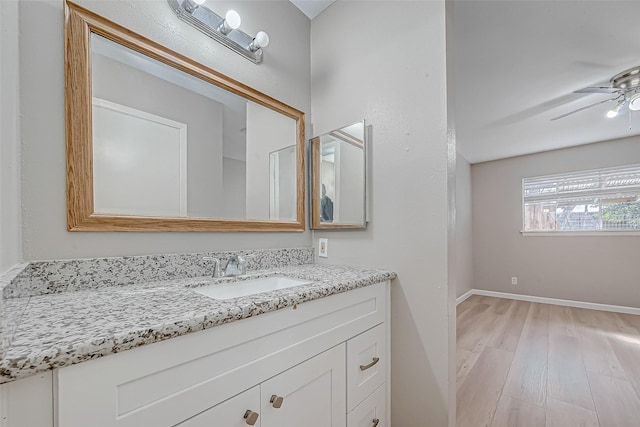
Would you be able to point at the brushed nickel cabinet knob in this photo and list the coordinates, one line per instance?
(276, 401)
(251, 417)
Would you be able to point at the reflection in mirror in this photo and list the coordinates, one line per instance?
(158, 142)
(339, 178)
(282, 183)
(169, 144)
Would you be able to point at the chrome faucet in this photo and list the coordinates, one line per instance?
(217, 271)
(236, 266)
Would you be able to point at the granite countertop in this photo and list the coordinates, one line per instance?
(61, 329)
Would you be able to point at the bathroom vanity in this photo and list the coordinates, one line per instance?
(308, 365)
(313, 355)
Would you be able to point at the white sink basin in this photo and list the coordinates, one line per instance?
(243, 288)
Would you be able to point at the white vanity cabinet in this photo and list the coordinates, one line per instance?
(324, 363)
(311, 394)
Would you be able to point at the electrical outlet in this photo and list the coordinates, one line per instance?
(323, 248)
(514, 280)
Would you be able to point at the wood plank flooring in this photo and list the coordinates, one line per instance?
(522, 364)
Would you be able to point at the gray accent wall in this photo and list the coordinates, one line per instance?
(398, 85)
(234, 177)
(284, 75)
(600, 269)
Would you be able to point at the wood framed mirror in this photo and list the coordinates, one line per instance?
(159, 142)
(339, 193)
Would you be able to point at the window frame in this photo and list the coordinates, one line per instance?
(593, 174)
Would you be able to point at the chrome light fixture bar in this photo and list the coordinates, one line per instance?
(222, 29)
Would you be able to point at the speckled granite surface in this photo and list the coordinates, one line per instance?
(63, 328)
(10, 312)
(45, 277)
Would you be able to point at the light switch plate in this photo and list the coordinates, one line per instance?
(323, 248)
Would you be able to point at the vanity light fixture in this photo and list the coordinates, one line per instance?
(224, 30)
(191, 5)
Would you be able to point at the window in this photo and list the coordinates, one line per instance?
(595, 200)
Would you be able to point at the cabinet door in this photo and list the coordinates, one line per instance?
(230, 413)
(311, 394)
(370, 413)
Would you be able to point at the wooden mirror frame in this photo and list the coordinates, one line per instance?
(80, 23)
(316, 188)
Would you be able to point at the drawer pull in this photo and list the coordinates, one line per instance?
(276, 401)
(251, 417)
(376, 421)
(370, 365)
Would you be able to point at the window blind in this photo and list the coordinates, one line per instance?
(602, 199)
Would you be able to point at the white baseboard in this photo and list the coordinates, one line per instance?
(554, 301)
(464, 296)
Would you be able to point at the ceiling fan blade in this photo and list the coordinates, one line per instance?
(596, 89)
(583, 108)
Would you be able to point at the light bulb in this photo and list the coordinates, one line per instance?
(261, 40)
(230, 22)
(191, 5)
(612, 113)
(232, 19)
(634, 102)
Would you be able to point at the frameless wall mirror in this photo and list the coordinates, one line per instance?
(158, 142)
(339, 178)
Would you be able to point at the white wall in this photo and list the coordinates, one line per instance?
(601, 269)
(464, 233)
(284, 75)
(10, 222)
(394, 77)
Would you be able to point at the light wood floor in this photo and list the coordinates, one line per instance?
(525, 364)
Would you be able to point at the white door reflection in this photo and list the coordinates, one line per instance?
(125, 176)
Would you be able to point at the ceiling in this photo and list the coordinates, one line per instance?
(517, 62)
(312, 8)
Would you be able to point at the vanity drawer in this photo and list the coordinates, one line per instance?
(366, 364)
(230, 413)
(370, 413)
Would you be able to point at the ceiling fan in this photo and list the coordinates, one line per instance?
(625, 87)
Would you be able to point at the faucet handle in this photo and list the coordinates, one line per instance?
(243, 258)
(242, 262)
(217, 271)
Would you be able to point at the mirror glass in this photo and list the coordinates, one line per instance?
(339, 177)
(159, 142)
(166, 143)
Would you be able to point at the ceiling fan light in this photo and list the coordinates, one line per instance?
(612, 113)
(634, 102)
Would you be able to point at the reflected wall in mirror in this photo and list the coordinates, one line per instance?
(158, 142)
(339, 178)
(282, 183)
